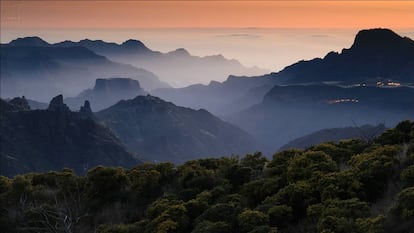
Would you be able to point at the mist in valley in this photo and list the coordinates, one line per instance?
(273, 108)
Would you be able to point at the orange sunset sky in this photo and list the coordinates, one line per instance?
(206, 14)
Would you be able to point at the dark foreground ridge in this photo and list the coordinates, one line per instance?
(44, 140)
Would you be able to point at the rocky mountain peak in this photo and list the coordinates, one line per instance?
(85, 110)
(378, 38)
(20, 104)
(56, 104)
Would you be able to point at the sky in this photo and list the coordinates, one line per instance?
(269, 34)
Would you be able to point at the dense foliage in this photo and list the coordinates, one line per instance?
(351, 187)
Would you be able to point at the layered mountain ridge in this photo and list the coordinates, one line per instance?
(376, 56)
(163, 131)
(39, 72)
(51, 139)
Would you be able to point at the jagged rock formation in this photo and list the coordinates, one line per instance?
(20, 103)
(86, 111)
(43, 140)
(57, 105)
(107, 92)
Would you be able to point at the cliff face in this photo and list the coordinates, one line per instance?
(107, 92)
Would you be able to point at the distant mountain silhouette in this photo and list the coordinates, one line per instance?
(33, 41)
(37, 70)
(108, 48)
(177, 67)
(162, 131)
(219, 98)
(289, 112)
(376, 55)
(107, 92)
(44, 140)
(365, 132)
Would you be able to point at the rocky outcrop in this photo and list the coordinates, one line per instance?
(56, 104)
(20, 104)
(44, 140)
(107, 92)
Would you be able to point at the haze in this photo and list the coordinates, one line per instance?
(266, 34)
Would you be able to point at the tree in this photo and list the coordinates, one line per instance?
(337, 153)
(373, 169)
(404, 208)
(280, 215)
(407, 175)
(254, 161)
(371, 225)
(257, 190)
(212, 227)
(278, 165)
(308, 165)
(195, 177)
(173, 219)
(342, 185)
(105, 185)
(298, 196)
(145, 183)
(402, 133)
(220, 212)
(250, 219)
(339, 216)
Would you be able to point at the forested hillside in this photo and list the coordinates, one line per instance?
(349, 186)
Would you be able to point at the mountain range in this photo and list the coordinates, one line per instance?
(177, 67)
(288, 112)
(376, 56)
(55, 138)
(369, 83)
(162, 131)
(33, 68)
(30, 65)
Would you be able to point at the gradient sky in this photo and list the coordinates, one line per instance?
(196, 14)
(269, 34)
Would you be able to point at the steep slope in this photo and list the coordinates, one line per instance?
(107, 92)
(365, 132)
(377, 55)
(38, 71)
(289, 112)
(43, 140)
(177, 67)
(163, 131)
